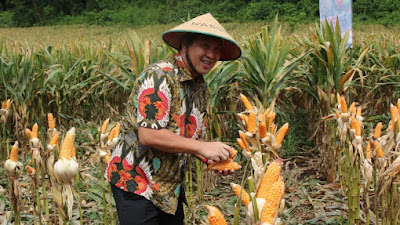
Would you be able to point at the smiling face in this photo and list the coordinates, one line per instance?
(203, 52)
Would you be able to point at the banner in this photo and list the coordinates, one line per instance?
(333, 9)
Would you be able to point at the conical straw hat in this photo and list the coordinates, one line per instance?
(205, 24)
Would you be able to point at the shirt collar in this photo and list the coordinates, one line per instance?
(184, 73)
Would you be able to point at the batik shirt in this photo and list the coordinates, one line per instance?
(165, 96)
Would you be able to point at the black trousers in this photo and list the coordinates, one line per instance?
(134, 209)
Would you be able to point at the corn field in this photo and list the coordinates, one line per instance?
(61, 102)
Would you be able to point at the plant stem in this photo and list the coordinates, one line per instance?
(103, 189)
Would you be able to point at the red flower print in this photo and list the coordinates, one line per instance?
(162, 106)
(191, 127)
(112, 167)
(143, 183)
(126, 165)
(180, 122)
(166, 68)
(125, 176)
(144, 101)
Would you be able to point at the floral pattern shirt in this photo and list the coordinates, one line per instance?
(165, 96)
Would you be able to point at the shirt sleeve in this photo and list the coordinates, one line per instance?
(154, 99)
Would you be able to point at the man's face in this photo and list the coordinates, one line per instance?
(204, 53)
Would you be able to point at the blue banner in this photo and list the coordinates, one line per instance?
(333, 9)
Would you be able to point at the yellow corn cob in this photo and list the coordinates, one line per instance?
(271, 118)
(8, 103)
(337, 115)
(378, 149)
(107, 158)
(393, 112)
(215, 216)
(251, 126)
(28, 133)
(117, 130)
(270, 176)
(246, 102)
(52, 122)
(343, 105)
(339, 99)
(353, 123)
(242, 145)
(266, 114)
(398, 103)
(30, 170)
(368, 151)
(359, 111)
(243, 117)
(105, 124)
(14, 152)
(67, 144)
(54, 139)
(3, 105)
(274, 197)
(281, 133)
(243, 137)
(262, 129)
(225, 165)
(352, 108)
(35, 129)
(358, 128)
(73, 152)
(378, 130)
(273, 128)
(111, 135)
(245, 196)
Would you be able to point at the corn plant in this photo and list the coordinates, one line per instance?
(327, 69)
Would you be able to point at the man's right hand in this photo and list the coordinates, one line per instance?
(215, 151)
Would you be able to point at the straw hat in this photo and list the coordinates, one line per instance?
(208, 25)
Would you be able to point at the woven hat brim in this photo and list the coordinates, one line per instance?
(230, 49)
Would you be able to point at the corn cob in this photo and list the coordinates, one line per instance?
(358, 113)
(274, 197)
(35, 129)
(378, 149)
(117, 130)
(339, 100)
(393, 112)
(107, 159)
(14, 152)
(337, 115)
(251, 125)
(262, 129)
(378, 130)
(8, 103)
(215, 216)
(271, 118)
(243, 137)
(243, 117)
(30, 170)
(67, 144)
(28, 133)
(241, 144)
(111, 135)
(368, 151)
(54, 139)
(246, 102)
(266, 114)
(270, 176)
(343, 105)
(352, 108)
(358, 128)
(52, 122)
(225, 165)
(245, 196)
(281, 134)
(105, 124)
(3, 105)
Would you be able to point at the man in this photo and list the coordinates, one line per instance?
(165, 122)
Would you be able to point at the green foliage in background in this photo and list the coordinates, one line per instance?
(25, 13)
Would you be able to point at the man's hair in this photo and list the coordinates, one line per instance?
(189, 38)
